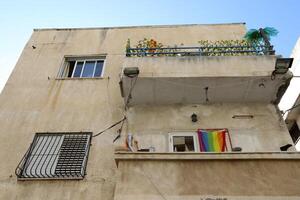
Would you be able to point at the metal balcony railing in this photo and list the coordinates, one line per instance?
(202, 51)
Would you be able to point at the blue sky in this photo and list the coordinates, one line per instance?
(18, 18)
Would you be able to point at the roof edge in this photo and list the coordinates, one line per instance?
(143, 26)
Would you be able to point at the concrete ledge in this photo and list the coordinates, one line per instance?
(84, 78)
(143, 26)
(135, 156)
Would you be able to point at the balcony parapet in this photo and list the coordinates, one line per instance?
(244, 175)
(139, 156)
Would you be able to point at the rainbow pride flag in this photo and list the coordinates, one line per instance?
(212, 140)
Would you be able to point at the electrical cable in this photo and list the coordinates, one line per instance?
(119, 132)
(130, 90)
(154, 185)
(295, 106)
(124, 118)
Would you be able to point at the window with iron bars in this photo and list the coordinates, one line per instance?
(56, 156)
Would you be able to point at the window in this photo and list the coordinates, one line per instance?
(56, 156)
(204, 140)
(82, 68)
(183, 142)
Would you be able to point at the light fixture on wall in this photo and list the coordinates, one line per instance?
(282, 65)
(194, 117)
(131, 72)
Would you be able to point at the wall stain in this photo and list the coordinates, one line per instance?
(53, 94)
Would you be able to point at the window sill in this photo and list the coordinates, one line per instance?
(136, 156)
(86, 78)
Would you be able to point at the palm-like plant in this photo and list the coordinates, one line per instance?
(261, 35)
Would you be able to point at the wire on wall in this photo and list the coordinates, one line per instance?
(119, 132)
(115, 124)
(132, 84)
(295, 106)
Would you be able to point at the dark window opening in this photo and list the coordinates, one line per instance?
(70, 68)
(183, 143)
(99, 68)
(78, 69)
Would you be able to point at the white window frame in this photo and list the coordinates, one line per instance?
(193, 134)
(84, 61)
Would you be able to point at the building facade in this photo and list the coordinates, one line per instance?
(194, 115)
(291, 108)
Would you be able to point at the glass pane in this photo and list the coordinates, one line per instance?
(88, 70)
(78, 69)
(99, 68)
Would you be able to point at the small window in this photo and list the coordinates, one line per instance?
(55, 156)
(82, 68)
(183, 142)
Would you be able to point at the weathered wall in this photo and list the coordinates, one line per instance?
(208, 179)
(34, 101)
(264, 132)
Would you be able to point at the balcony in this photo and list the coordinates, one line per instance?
(199, 175)
(196, 76)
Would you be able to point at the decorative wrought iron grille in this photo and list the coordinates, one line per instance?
(56, 156)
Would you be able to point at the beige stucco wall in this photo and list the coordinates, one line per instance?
(197, 66)
(33, 100)
(151, 125)
(196, 179)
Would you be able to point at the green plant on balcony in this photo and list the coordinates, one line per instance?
(228, 48)
(261, 36)
(148, 46)
(244, 47)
